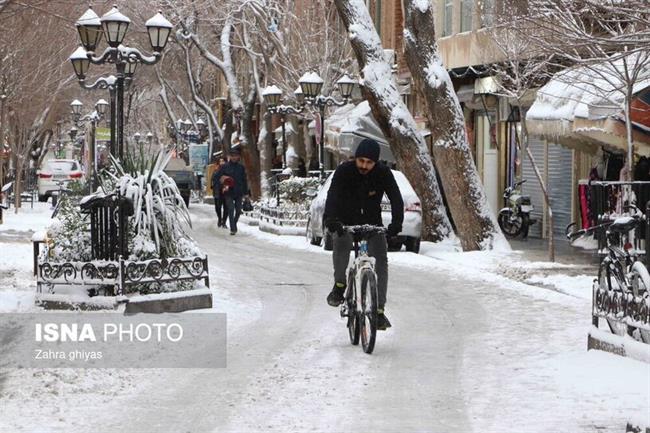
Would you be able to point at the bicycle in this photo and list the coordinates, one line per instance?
(361, 297)
(623, 280)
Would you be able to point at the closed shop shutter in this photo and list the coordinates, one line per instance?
(531, 187)
(560, 174)
(560, 161)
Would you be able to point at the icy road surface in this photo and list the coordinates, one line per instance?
(468, 352)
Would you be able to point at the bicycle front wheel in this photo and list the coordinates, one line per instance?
(353, 316)
(368, 314)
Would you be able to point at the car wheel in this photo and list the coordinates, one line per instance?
(412, 244)
(42, 198)
(314, 240)
(328, 245)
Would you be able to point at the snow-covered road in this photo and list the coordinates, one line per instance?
(468, 352)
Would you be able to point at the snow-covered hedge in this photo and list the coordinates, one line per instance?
(158, 229)
(298, 190)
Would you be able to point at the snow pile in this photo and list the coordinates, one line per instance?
(579, 286)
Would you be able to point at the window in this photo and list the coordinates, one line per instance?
(449, 18)
(466, 9)
(62, 165)
(486, 10)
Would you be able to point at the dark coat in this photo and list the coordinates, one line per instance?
(237, 171)
(355, 199)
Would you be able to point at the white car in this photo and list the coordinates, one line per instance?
(411, 228)
(55, 171)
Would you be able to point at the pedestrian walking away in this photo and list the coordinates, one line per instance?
(233, 187)
(219, 202)
(354, 198)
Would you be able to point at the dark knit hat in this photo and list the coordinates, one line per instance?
(368, 148)
(235, 151)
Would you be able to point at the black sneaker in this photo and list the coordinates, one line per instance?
(335, 298)
(233, 233)
(382, 321)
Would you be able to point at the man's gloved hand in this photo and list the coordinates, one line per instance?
(393, 229)
(334, 226)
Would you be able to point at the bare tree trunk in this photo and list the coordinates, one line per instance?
(542, 184)
(393, 117)
(18, 182)
(228, 129)
(264, 147)
(250, 154)
(475, 223)
(628, 129)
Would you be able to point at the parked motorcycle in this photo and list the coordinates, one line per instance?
(514, 219)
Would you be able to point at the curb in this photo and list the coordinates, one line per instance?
(623, 346)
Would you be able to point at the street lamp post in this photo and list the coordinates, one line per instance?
(311, 85)
(93, 117)
(272, 96)
(113, 26)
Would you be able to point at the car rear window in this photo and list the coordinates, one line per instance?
(62, 165)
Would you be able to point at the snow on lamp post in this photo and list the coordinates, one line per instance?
(272, 96)
(311, 85)
(92, 117)
(113, 27)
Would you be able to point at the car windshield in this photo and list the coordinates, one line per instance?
(62, 165)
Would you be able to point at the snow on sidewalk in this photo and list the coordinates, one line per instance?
(17, 285)
(26, 221)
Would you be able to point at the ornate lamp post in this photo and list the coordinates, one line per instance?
(93, 118)
(272, 96)
(311, 85)
(113, 27)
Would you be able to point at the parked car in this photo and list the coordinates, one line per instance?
(184, 177)
(411, 228)
(55, 171)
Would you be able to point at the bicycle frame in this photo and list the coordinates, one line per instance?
(360, 306)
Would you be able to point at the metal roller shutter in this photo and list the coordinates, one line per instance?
(531, 187)
(560, 161)
(560, 175)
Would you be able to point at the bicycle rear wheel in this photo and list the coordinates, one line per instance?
(353, 319)
(368, 314)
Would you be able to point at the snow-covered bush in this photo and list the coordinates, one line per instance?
(68, 237)
(161, 220)
(298, 190)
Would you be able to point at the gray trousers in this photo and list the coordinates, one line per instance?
(377, 248)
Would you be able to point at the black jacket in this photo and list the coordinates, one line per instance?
(235, 170)
(354, 198)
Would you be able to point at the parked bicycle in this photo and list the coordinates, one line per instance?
(514, 219)
(360, 306)
(623, 280)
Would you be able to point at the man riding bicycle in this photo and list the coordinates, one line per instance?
(354, 198)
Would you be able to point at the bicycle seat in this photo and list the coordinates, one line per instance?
(623, 224)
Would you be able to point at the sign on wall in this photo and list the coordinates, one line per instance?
(199, 157)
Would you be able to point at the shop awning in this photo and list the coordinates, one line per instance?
(348, 127)
(581, 108)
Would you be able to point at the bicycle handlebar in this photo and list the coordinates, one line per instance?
(364, 229)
